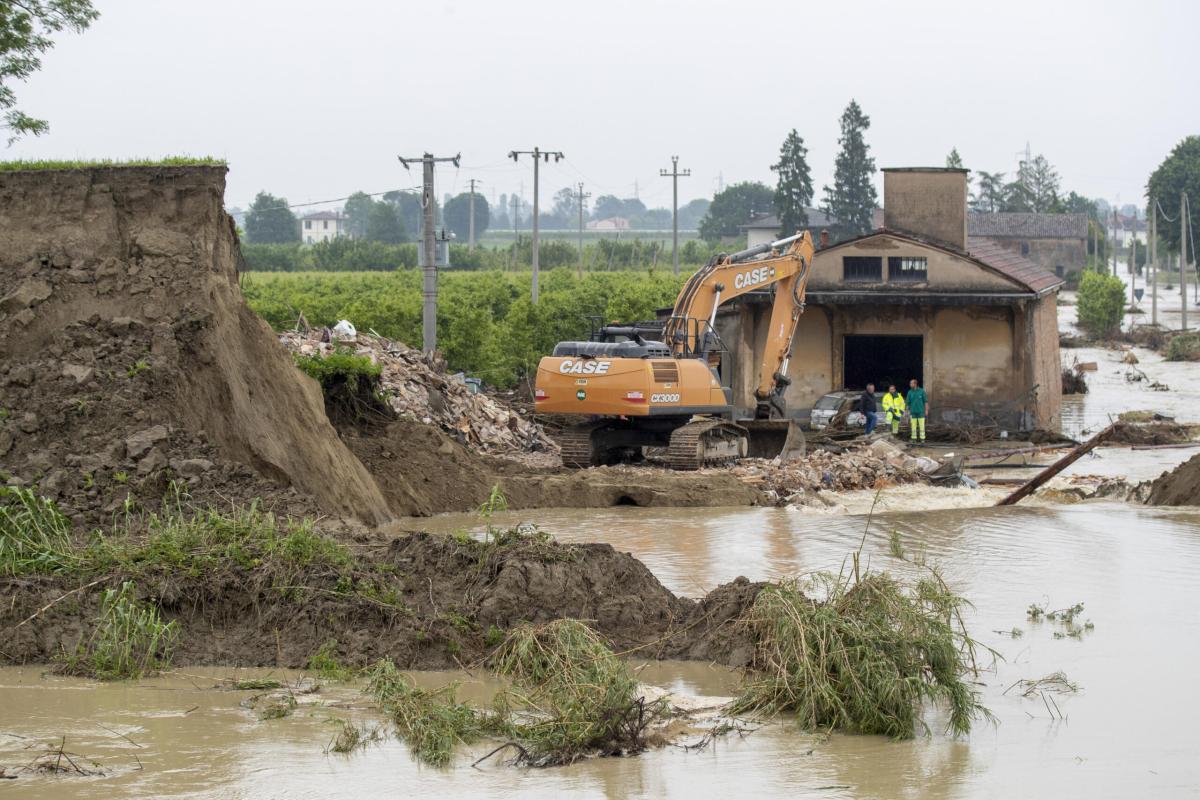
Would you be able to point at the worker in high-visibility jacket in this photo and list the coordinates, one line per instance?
(893, 406)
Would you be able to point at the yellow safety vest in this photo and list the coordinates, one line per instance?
(894, 404)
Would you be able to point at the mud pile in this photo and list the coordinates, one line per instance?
(418, 390)
(425, 601)
(128, 358)
(1179, 487)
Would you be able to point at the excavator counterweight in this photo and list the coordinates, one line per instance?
(628, 392)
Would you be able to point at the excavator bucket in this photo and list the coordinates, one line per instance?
(771, 438)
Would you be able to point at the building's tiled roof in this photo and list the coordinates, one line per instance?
(1012, 265)
(323, 215)
(1028, 226)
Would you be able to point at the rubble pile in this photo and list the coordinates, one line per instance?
(863, 467)
(417, 390)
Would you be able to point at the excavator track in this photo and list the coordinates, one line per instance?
(575, 443)
(706, 442)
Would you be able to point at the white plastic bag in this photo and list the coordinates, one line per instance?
(345, 330)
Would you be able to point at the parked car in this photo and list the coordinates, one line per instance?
(830, 406)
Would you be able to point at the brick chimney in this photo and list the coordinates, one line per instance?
(927, 202)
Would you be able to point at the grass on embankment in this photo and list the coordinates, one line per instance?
(106, 163)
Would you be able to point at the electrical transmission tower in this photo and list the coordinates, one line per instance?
(675, 174)
(537, 154)
(429, 290)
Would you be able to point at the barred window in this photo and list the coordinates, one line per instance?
(908, 269)
(862, 269)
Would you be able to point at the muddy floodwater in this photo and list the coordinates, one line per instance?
(1128, 731)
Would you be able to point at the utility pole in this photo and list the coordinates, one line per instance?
(537, 154)
(1114, 238)
(580, 197)
(471, 222)
(429, 290)
(675, 175)
(1183, 198)
(515, 205)
(1154, 262)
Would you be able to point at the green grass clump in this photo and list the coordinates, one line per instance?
(169, 161)
(129, 640)
(350, 737)
(198, 542)
(325, 664)
(349, 383)
(576, 695)
(864, 659)
(431, 723)
(34, 535)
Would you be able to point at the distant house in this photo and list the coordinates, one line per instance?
(321, 226)
(609, 224)
(1056, 242)
(766, 228)
(1125, 229)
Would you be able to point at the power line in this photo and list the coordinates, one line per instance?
(333, 200)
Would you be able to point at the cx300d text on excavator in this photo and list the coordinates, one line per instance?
(630, 392)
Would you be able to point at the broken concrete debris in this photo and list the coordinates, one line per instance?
(419, 390)
(880, 463)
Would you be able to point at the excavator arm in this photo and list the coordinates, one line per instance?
(783, 264)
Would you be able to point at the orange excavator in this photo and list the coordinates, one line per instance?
(630, 392)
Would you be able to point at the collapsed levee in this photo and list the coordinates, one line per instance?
(128, 357)
(252, 589)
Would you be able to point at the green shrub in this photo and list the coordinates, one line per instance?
(1101, 304)
(130, 639)
(34, 535)
(1184, 347)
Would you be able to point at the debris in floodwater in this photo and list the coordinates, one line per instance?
(351, 737)
(1066, 617)
(1056, 682)
(57, 760)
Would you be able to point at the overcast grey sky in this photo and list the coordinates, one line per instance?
(313, 100)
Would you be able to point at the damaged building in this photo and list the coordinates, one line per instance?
(974, 321)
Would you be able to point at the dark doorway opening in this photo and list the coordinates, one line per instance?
(882, 360)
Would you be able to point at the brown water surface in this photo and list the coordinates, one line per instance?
(1129, 732)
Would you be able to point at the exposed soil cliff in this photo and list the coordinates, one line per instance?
(128, 357)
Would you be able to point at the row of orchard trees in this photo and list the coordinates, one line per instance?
(487, 325)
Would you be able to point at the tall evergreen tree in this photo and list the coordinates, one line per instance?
(270, 221)
(851, 199)
(990, 196)
(794, 191)
(1035, 189)
(954, 160)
